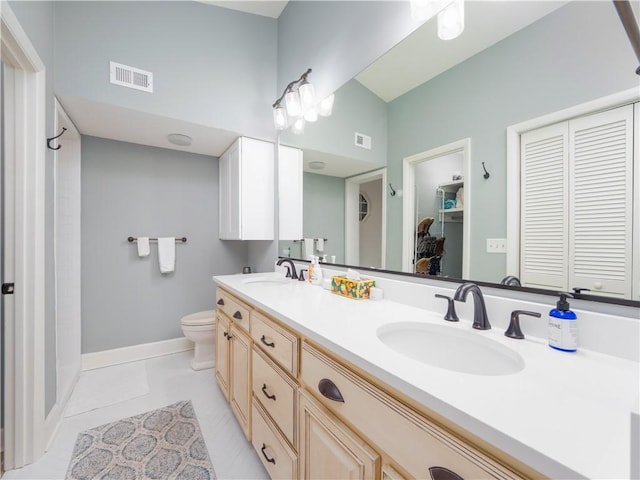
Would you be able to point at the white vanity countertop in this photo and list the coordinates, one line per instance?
(567, 415)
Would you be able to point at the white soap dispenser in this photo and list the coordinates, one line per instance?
(316, 275)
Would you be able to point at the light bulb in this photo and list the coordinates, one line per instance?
(311, 115)
(280, 118)
(292, 101)
(298, 126)
(451, 20)
(307, 94)
(325, 107)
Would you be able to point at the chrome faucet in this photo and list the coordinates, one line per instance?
(291, 273)
(480, 319)
(511, 280)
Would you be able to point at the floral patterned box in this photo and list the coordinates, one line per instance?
(358, 289)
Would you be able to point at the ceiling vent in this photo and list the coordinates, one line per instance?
(131, 77)
(362, 140)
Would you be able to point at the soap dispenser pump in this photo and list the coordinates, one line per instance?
(563, 326)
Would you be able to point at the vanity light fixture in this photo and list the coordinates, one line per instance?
(298, 105)
(450, 15)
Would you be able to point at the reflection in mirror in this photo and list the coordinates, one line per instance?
(516, 61)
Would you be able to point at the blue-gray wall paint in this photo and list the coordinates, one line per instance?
(136, 190)
(574, 55)
(212, 66)
(36, 19)
(356, 109)
(337, 39)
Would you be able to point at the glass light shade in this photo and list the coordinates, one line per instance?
(307, 95)
(451, 21)
(325, 107)
(423, 10)
(292, 101)
(280, 118)
(298, 126)
(311, 115)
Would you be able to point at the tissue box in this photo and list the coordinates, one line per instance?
(358, 289)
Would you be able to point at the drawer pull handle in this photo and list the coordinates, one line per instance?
(225, 334)
(237, 315)
(328, 389)
(266, 394)
(441, 473)
(270, 460)
(263, 339)
(221, 302)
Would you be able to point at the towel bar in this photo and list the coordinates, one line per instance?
(178, 239)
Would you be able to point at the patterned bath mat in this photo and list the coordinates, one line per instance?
(162, 444)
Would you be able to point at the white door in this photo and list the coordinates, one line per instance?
(67, 255)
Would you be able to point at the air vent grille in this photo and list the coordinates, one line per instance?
(130, 77)
(362, 140)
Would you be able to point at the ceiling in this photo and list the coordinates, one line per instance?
(415, 60)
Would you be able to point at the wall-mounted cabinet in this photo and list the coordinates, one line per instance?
(247, 201)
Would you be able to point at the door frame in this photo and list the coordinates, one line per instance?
(408, 200)
(24, 398)
(352, 221)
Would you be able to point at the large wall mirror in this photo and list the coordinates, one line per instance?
(413, 163)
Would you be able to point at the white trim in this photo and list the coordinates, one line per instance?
(513, 161)
(116, 356)
(24, 440)
(351, 216)
(408, 200)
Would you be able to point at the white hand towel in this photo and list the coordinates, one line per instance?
(143, 246)
(308, 248)
(320, 244)
(167, 254)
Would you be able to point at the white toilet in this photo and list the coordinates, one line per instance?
(199, 327)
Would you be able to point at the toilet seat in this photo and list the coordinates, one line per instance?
(206, 317)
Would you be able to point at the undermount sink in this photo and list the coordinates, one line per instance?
(450, 348)
(266, 280)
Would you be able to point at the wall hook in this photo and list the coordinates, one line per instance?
(392, 192)
(49, 140)
(486, 174)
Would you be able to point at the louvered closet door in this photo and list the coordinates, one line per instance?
(601, 199)
(544, 221)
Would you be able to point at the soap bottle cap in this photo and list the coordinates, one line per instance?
(562, 304)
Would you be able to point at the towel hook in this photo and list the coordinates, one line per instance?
(392, 191)
(486, 174)
(49, 140)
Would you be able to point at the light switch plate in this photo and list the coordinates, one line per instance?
(496, 245)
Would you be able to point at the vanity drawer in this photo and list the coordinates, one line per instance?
(280, 344)
(234, 308)
(276, 392)
(276, 456)
(414, 442)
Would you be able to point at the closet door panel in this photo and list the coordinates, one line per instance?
(544, 219)
(601, 200)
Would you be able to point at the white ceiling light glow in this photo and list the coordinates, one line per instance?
(298, 104)
(450, 15)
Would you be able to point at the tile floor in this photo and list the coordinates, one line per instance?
(169, 379)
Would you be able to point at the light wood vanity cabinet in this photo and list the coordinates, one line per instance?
(310, 414)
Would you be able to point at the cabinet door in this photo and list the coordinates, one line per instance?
(257, 190)
(240, 384)
(229, 193)
(328, 449)
(290, 193)
(222, 353)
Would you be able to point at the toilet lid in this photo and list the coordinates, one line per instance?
(206, 317)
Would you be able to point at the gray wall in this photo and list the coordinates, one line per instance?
(576, 54)
(212, 66)
(136, 190)
(356, 109)
(36, 18)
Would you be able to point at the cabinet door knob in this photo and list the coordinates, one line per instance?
(221, 302)
(225, 334)
(263, 339)
(270, 460)
(237, 315)
(441, 473)
(267, 394)
(329, 390)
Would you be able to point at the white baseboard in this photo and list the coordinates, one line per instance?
(135, 352)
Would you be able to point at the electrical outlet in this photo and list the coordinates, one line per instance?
(496, 245)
